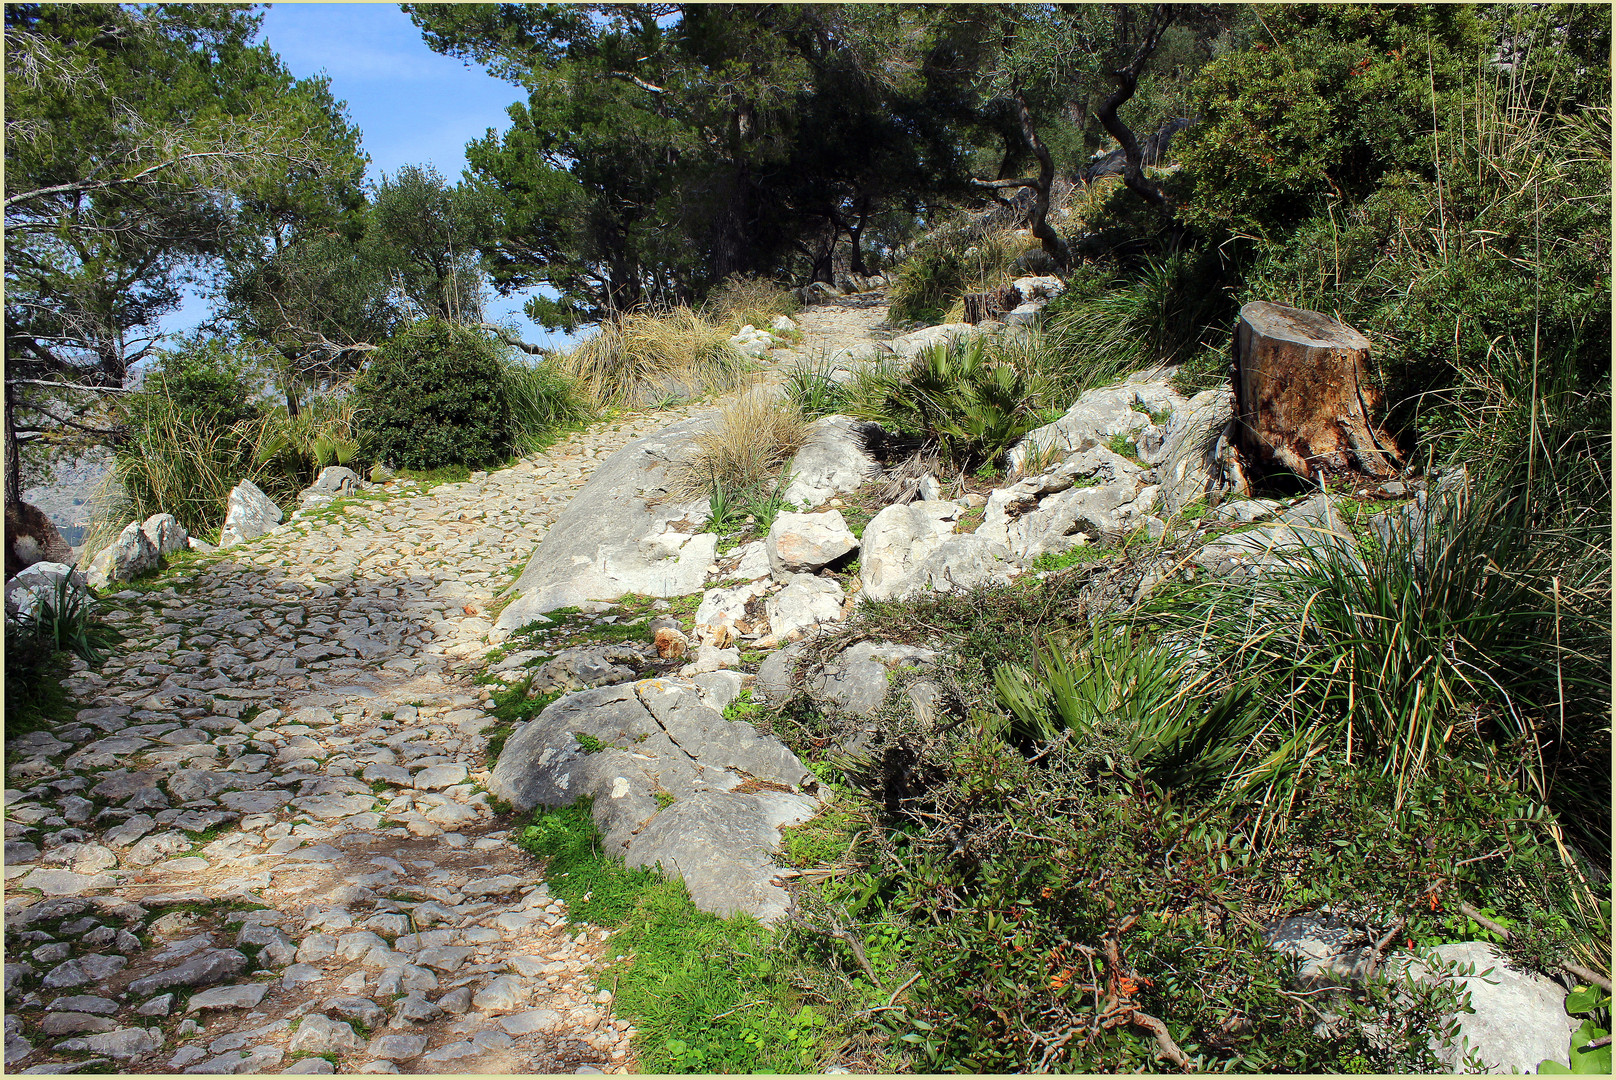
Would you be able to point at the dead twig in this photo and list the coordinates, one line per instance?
(840, 933)
(1587, 975)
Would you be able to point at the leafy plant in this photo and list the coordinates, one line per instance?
(813, 390)
(434, 395)
(957, 399)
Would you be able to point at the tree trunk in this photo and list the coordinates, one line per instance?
(1127, 80)
(1302, 399)
(824, 258)
(1038, 220)
(855, 262)
(979, 307)
(13, 450)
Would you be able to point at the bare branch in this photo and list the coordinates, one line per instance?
(637, 81)
(83, 387)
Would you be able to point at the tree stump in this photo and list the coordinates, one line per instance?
(982, 306)
(1303, 402)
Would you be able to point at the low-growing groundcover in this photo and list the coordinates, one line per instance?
(708, 994)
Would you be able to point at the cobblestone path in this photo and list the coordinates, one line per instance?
(264, 844)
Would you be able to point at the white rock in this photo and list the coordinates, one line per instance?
(832, 461)
(35, 588)
(251, 514)
(723, 608)
(799, 542)
(805, 603)
(898, 540)
(1518, 1019)
(166, 533)
(1041, 287)
(131, 554)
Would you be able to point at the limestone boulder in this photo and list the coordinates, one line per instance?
(594, 550)
(250, 514)
(803, 604)
(725, 609)
(333, 482)
(633, 747)
(898, 540)
(38, 587)
(1198, 455)
(1098, 415)
(166, 533)
(833, 461)
(806, 542)
(127, 557)
(1517, 1019)
(961, 563)
(1095, 493)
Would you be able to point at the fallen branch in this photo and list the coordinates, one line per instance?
(1119, 1002)
(1380, 948)
(839, 933)
(1585, 974)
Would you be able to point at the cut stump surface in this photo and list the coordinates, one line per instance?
(1303, 401)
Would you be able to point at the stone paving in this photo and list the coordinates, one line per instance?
(264, 845)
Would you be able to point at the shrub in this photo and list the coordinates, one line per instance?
(192, 433)
(957, 399)
(37, 647)
(742, 300)
(294, 449)
(646, 357)
(434, 395)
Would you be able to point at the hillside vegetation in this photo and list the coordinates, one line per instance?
(1066, 854)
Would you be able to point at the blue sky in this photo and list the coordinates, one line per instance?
(413, 106)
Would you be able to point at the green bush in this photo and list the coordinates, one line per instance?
(435, 395)
(957, 399)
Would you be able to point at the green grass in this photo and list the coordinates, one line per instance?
(826, 838)
(589, 743)
(1123, 446)
(743, 708)
(427, 479)
(1075, 556)
(707, 994)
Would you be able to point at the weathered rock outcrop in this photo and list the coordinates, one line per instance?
(626, 746)
(800, 543)
(832, 461)
(623, 532)
(127, 557)
(251, 514)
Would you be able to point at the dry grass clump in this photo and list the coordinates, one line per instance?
(743, 300)
(649, 357)
(754, 438)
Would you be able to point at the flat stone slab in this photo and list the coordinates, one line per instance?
(613, 537)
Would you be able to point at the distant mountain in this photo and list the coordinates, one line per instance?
(68, 500)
